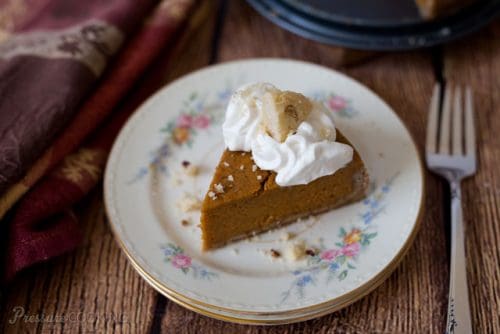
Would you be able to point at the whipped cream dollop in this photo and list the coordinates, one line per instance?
(243, 121)
(305, 155)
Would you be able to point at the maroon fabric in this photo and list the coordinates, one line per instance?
(42, 225)
(47, 228)
(31, 114)
(48, 65)
(56, 14)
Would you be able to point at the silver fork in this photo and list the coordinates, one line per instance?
(453, 156)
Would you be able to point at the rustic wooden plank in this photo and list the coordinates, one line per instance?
(414, 298)
(246, 25)
(194, 49)
(91, 289)
(476, 61)
(95, 289)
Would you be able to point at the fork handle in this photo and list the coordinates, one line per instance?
(458, 320)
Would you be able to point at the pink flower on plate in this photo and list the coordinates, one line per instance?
(329, 254)
(184, 121)
(351, 249)
(181, 261)
(337, 103)
(201, 121)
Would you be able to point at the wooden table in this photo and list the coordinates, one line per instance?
(96, 290)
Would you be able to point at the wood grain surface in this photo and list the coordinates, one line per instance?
(476, 62)
(98, 291)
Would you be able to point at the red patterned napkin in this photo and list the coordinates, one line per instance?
(42, 225)
(50, 58)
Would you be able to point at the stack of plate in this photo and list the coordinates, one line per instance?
(355, 247)
(373, 25)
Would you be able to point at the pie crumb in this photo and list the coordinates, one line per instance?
(295, 251)
(287, 236)
(274, 253)
(185, 222)
(189, 203)
(176, 180)
(310, 252)
(192, 170)
(254, 237)
(219, 188)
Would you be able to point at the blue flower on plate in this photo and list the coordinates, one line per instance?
(304, 280)
(333, 266)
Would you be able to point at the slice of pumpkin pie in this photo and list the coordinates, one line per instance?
(431, 9)
(284, 160)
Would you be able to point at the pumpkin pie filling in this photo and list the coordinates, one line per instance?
(244, 199)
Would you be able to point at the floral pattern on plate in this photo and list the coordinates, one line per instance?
(339, 105)
(338, 261)
(175, 256)
(197, 114)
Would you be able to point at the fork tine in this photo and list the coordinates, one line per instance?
(432, 122)
(457, 122)
(444, 138)
(470, 133)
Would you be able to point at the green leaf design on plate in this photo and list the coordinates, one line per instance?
(343, 275)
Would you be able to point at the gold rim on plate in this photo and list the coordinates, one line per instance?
(338, 304)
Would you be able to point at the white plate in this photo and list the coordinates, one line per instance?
(360, 243)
